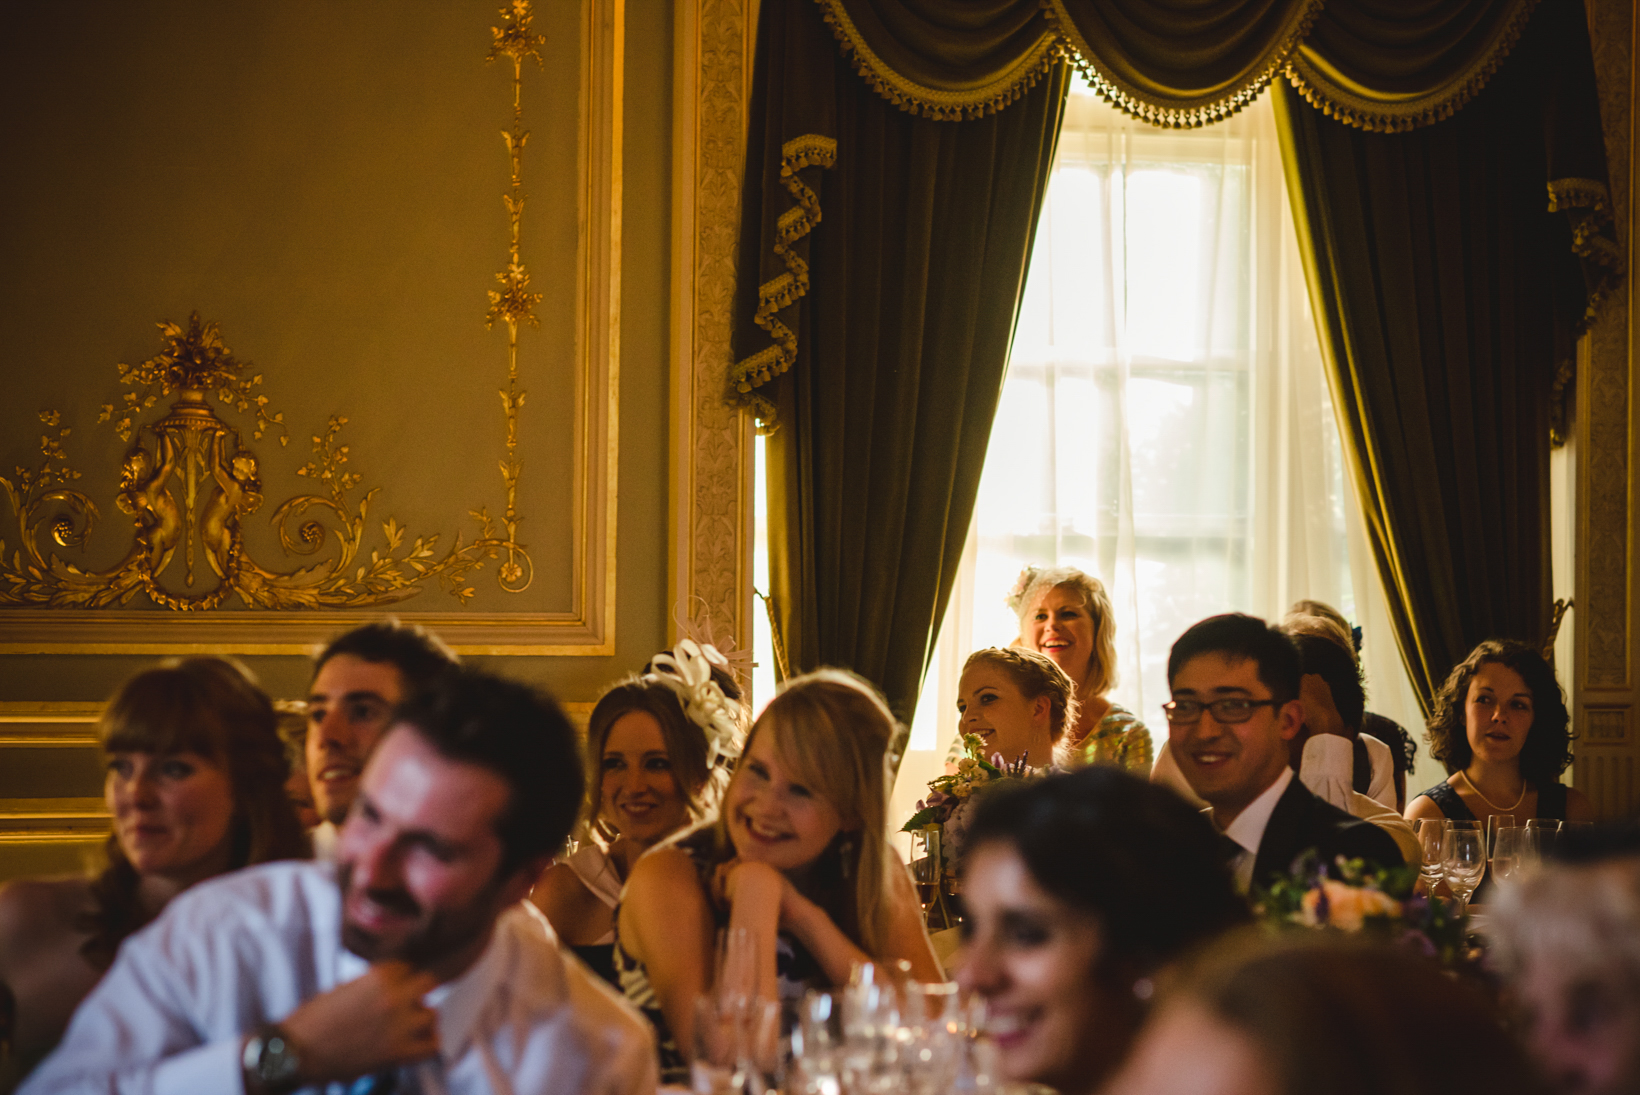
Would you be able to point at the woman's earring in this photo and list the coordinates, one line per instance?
(845, 852)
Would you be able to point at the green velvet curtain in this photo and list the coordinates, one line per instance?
(1380, 64)
(886, 252)
(1446, 291)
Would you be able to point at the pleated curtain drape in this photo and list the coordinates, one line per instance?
(903, 287)
(1447, 294)
(899, 152)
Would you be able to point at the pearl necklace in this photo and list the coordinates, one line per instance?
(1496, 809)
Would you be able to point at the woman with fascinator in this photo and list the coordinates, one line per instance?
(659, 747)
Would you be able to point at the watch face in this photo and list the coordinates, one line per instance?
(276, 1064)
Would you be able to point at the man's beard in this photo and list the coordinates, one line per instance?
(439, 934)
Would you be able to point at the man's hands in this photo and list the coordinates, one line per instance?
(369, 1025)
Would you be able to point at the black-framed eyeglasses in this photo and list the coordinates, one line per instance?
(1230, 710)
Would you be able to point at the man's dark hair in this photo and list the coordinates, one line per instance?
(520, 734)
(1329, 661)
(1131, 853)
(1237, 635)
(414, 651)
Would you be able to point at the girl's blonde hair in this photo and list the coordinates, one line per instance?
(833, 731)
(1102, 666)
(1034, 675)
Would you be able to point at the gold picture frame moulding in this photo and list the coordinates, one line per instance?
(588, 629)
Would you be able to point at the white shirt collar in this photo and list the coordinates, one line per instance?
(1248, 827)
(464, 1003)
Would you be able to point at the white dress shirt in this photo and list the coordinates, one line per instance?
(1248, 828)
(233, 953)
(1328, 769)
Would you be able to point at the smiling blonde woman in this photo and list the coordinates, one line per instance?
(1065, 614)
(798, 857)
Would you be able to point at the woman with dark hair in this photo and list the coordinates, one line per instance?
(196, 786)
(1501, 729)
(1079, 890)
(1295, 1017)
(651, 771)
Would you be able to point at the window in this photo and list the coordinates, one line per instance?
(1165, 423)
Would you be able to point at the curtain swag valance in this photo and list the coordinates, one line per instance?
(1380, 65)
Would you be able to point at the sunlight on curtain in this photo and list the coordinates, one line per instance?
(1165, 422)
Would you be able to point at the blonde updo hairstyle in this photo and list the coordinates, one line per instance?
(1035, 675)
(832, 731)
(1095, 601)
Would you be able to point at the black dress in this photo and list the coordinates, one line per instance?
(1551, 807)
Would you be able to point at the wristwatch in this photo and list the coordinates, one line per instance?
(270, 1061)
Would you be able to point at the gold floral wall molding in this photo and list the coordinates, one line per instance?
(192, 475)
(188, 481)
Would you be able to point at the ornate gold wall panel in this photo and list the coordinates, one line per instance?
(199, 422)
(711, 508)
(1604, 688)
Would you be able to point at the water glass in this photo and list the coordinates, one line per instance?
(1464, 858)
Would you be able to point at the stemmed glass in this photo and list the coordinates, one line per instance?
(1432, 842)
(928, 869)
(1463, 855)
(1540, 836)
(1507, 853)
(735, 1046)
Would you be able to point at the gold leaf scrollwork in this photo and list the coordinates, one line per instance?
(188, 481)
(514, 302)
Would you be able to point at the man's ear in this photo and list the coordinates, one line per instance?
(1290, 719)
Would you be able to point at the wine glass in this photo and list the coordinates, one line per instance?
(1464, 859)
(1541, 833)
(927, 865)
(1431, 832)
(1507, 853)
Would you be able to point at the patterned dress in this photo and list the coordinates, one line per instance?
(1119, 739)
(795, 970)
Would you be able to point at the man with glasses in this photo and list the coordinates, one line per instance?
(357, 681)
(1235, 683)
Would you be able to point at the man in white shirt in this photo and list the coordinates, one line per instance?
(410, 965)
(1235, 709)
(358, 679)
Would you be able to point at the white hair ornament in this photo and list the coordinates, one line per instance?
(687, 670)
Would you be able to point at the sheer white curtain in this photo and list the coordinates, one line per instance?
(1165, 421)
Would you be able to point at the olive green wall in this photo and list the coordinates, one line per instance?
(324, 180)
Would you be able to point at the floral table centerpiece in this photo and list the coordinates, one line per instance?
(949, 806)
(1379, 901)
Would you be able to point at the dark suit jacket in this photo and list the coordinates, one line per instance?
(1303, 820)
